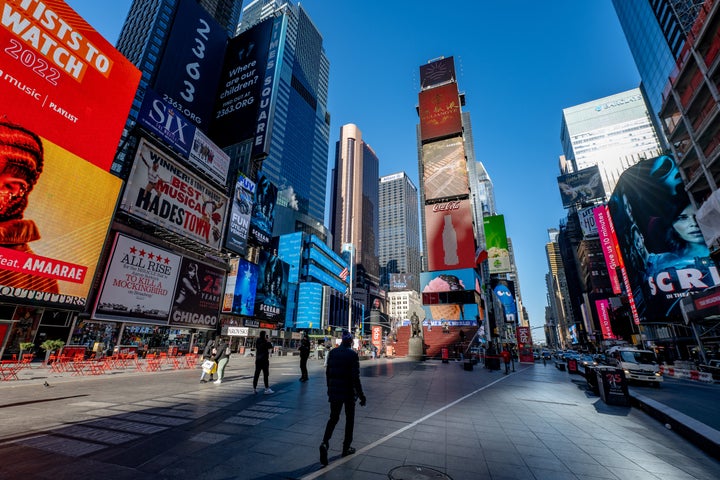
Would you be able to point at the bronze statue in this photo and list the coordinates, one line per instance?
(415, 323)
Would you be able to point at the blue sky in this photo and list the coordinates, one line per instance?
(519, 63)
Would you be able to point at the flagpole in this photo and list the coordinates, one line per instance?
(350, 286)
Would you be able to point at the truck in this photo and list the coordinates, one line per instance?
(639, 365)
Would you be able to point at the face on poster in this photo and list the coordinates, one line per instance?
(444, 169)
(271, 297)
(56, 77)
(54, 224)
(197, 295)
(450, 236)
(160, 191)
(263, 213)
(139, 282)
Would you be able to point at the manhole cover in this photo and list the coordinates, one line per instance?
(416, 472)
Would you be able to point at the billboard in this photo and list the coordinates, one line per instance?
(445, 169)
(587, 222)
(664, 251)
(209, 158)
(55, 209)
(437, 72)
(450, 237)
(581, 187)
(190, 66)
(240, 213)
(138, 283)
(55, 78)
(240, 288)
(497, 244)
(451, 315)
(263, 211)
(603, 311)
(159, 191)
(504, 290)
(240, 86)
(399, 282)
(272, 285)
(197, 295)
(448, 286)
(440, 112)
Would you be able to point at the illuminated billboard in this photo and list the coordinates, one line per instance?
(240, 288)
(240, 213)
(191, 61)
(54, 215)
(448, 286)
(138, 283)
(663, 248)
(581, 187)
(399, 282)
(63, 80)
(437, 72)
(197, 296)
(504, 290)
(445, 169)
(603, 311)
(160, 191)
(272, 288)
(451, 315)
(263, 212)
(440, 112)
(450, 237)
(497, 244)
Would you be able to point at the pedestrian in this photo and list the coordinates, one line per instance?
(222, 357)
(304, 355)
(343, 383)
(506, 359)
(262, 362)
(208, 353)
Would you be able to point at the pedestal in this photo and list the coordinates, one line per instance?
(415, 348)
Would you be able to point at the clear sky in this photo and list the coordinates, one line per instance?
(519, 63)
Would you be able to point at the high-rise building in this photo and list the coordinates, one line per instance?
(298, 129)
(656, 31)
(614, 133)
(354, 211)
(399, 231)
(558, 294)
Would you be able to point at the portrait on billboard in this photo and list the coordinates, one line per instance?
(197, 295)
(263, 212)
(272, 287)
(55, 209)
(662, 246)
(581, 187)
(445, 169)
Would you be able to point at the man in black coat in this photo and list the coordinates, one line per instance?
(304, 355)
(262, 362)
(343, 382)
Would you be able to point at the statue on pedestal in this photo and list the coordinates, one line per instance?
(415, 324)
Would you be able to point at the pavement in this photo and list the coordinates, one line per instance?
(422, 420)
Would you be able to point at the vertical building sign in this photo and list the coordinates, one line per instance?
(497, 244)
(240, 214)
(261, 146)
(603, 311)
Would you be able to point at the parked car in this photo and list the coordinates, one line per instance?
(713, 367)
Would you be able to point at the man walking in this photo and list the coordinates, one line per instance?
(343, 382)
(262, 362)
(221, 357)
(304, 355)
(506, 359)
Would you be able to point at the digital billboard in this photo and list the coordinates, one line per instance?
(440, 112)
(272, 286)
(56, 76)
(159, 191)
(240, 288)
(448, 286)
(263, 211)
(497, 244)
(240, 86)
(581, 187)
(139, 282)
(55, 209)
(399, 282)
(451, 315)
(587, 222)
(240, 214)
(664, 251)
(504, 290)
(450, 237)
(445, 169)
(190, 66)
(197, 297)
(603, 311)
(209, 158)
(437, 72)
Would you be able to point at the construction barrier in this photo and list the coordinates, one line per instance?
(686, 374)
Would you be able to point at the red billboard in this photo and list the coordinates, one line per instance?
(55, 209)
(450, 239)
(445, 169)
(61, 79)
(603, 311)
(440, 112)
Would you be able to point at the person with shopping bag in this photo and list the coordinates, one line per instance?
(209, 366)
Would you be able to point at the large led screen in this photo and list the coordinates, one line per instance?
(263, 212)
(240, 288)
(504, 291)
(160, 191)
(448, 286)
(191, 62)
(197, 297)
(272, 288)
(663, 248)
(240, 214)
(450, 238)
(445, 169)
(497, 244)
(437, 72)
(451, 315)
(55, 210)
(56, 77)
(581, 187)
(440, 112)
(139, 282)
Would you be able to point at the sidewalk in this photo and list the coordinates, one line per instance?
(421, 418)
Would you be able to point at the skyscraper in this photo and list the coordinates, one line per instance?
(399, 230)
(354, 210)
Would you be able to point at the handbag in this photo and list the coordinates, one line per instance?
(209, 366)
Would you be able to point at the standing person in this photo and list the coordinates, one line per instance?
(343, 382)
(304, 355)
(221, 357)
(208, 353)
(506, 359)
(262, 362)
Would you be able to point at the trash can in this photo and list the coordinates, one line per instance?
(444, 355)
(572, 366)
(612, 386)
(592, 379)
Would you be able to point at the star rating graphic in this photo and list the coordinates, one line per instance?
(149, 255)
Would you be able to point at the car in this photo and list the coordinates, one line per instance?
(585, 361)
